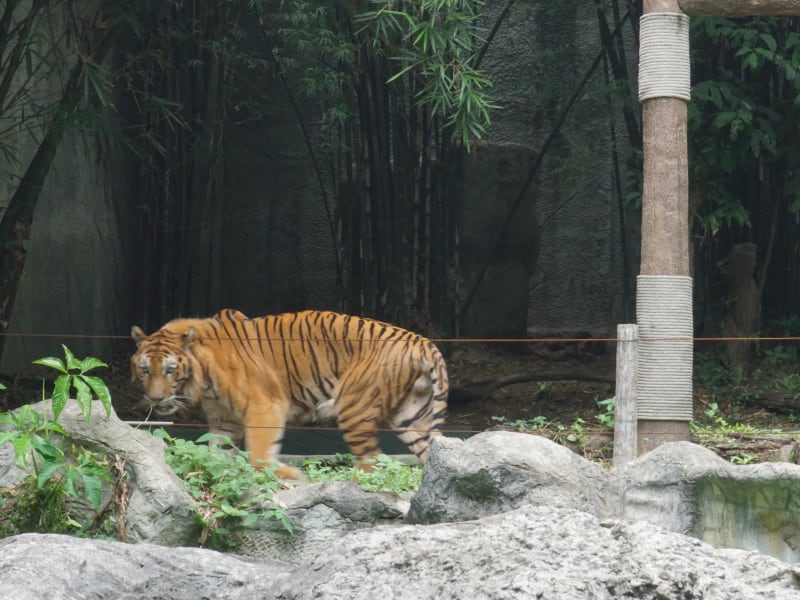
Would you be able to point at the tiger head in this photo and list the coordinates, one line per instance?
(166, 369)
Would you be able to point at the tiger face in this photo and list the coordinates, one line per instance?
(164, 369)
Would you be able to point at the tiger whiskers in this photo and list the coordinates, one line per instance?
(169, 406)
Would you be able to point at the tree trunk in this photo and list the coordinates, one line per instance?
(744, 316)
(15, 226)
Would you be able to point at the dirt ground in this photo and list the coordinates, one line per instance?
(477, 401)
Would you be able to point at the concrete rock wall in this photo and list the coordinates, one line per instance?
(559, 269)
(541, 54)
(75, 279)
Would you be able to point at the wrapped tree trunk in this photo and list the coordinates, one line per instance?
(744, 318)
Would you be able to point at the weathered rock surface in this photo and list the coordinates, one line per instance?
(681, 487)
(320, 514)
(510, 515)
(688, 489)
(539, 551)
(497, 471)
(158, 509)
(55, 567)
(535, 551)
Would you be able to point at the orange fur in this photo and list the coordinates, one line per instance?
(258, 375)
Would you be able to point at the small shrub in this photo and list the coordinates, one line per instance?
(606, 418)
(39, 503)
(534, 424)
(74, 376)
(720, 429)
(555, 430)
(744, 459)
(228, 491)
(387, 475)
(710, 372)
(779, 355)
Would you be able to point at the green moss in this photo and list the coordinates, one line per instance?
(478, 486)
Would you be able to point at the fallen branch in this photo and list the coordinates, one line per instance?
(480, 390)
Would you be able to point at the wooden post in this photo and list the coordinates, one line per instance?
(665, 209)
(665, 214)
(740, 8)
(625, 440)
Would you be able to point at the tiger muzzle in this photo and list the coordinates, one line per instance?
(161, 398)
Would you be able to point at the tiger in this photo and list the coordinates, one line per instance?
(253, 377)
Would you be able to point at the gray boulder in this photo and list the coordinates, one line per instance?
(158, 509)
(539, 552)
(56, 567)
(681, 487)
(497, 471)
(320, 514)
(535, 551)
(688, 489)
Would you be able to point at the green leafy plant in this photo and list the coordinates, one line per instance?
(30, 435)
(779, 355)
(578, 428)
(558, 432)
(788, 326)
(721, 430)
(387, 475)
(228, 491)
(606, 418)
(791, 383)
(744, 459)
(40, 502)
(74, 375)
(535, 424)
(710, 372)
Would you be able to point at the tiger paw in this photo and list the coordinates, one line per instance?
(287, 472)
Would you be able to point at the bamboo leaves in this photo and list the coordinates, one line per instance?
(436, 41)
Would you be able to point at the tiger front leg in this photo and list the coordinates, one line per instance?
(263, 435)
(222, 424)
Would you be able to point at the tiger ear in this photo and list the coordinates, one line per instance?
(188, 338)
(137, 334)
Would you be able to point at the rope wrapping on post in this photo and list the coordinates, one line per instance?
(664, 362)
(664, 69)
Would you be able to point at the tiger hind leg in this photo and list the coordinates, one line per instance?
(361, 436)
(358, 416)
(418, 417)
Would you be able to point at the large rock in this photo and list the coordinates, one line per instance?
(688, 489)
(497, 471)
(539, 552)
(681, 487)
(535, 551)
(320, 514)
(38, 566)
(158, 509)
